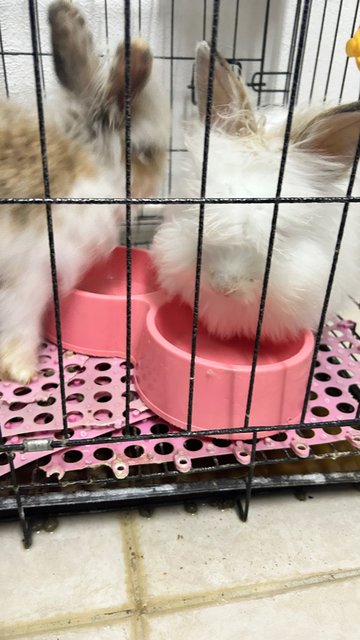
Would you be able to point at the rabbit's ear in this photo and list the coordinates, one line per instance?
(141, 66)
(231, 109)
(75, 59)
(333, 133)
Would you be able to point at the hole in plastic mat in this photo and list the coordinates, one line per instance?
(13, 422)
(345, 407)
(333, 391)
(336, 333)
(74, 416)
(47, 373)
(45, 460)
(75, 398)
(332, 431)
(59, 435)
(74, 368)
(103, 414)
(343, 373)
(131, 431)
(193, 444)
(183, 461)
(219, 442)
(49, 386)
(324, 377)
(72, 456)
(134, 451)
(324, 347)
(317, 363)
(43, 418)
(22, 391)
(313, 395)
(334, 360)
(279, 437)
(301, 446)
(164, 448)
(132, 395)
(76, 382)
(159, 429)
(123, 379)
(105, 453)
(346, 344)
(123, 365)
(103, 396)
(17, 406)
(103, 366)
(103, 380)
(320, 411)
(46, 403)
(3, 459)
(305, 433)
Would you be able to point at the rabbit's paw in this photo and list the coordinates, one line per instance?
(17, 362)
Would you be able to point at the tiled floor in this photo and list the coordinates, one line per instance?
(292, 570)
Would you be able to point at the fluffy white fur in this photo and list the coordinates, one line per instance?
(236, 236)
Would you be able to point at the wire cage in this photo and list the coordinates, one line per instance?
(56, 456)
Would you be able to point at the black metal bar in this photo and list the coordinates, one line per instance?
(139, 17)
(276, 209)
(127, 44)
(292, 51)
(204, 19)
(244, 511)
(106, 24)
(347, 59)
(333, 51)
(330, 281)
(46, 181)
(39, 47)
(236, 27)
(172, 27)
(263, 49)
(4, 64)
(303, 53)
(181, 201)
(318, 50)
(214, 33)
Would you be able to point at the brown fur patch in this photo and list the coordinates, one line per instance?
(146, 171)
(21, 174)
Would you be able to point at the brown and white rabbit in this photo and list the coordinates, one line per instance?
(85, 149)
(244, 158)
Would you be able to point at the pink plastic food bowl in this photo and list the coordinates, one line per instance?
(93, 322)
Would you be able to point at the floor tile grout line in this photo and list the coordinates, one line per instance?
(254, 591)
(22, 630)
(132, 554)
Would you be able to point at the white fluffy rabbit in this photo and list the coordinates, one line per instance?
(85, 150)
(244, 159)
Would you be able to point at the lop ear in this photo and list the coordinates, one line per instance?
(141, 67)
(75, 59)
(231, 109)
(333, 133)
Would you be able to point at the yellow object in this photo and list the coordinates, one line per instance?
(353, 48)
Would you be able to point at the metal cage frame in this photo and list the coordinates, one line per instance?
(216, 480)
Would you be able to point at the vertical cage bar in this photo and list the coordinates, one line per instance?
(318, 50)
(347, 59)
(25, 526)
(330, 281)
(304, 49)
(46, 182)
(127, 44)
(106, 14)
(276, 209)
(39, 47)
(139, 17)
(333, 51)
(244, 510)
(204, 19)
(4, 65)
(236, 28)
(292, 52)
(210, 89)
(263, 50)
(172, 33)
